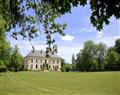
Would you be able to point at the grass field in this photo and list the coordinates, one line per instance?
(56, 83)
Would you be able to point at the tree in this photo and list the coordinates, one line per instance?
(101, 10)
(79, 61)
(73, 60)
(16, 14)
(2, 66)
(5, 49)
(91, 57)
(16, 60)
(101, 54)
(63, 63)
(88, 56)
(113, 59)
(68, 67)
(117, 45)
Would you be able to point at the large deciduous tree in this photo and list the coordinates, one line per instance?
(17, 14)
(88, 56)
(27, 17)
(5, 49)
(101, 10)
(101, 54)
(91, 57)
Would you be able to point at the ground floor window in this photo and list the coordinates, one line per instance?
(31, 66)
(49, 66)
(41, 66)
(36, 66)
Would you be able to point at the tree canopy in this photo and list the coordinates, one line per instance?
(17, 14)
(101, 10)
(98, 57)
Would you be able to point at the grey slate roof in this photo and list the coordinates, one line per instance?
(39, 53)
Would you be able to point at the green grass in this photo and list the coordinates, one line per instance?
(56, 83)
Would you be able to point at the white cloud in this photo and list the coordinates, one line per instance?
(67, 38)
(100, 34)
(109, 40)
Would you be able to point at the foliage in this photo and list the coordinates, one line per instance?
(91, 57)
(113, 60)
(16, 60)
(101, 10)
(41, 20)
(66, 67)
(73, 59)
(97, 57)
(117, 45)
(2, 66)
(5, 49)
(17, 14)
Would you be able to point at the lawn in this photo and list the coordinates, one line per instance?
(58, 83)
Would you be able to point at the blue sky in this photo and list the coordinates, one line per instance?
(79, 29)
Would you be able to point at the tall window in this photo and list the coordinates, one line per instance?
(57, 61)
(53, 61)
(41, 66)
(36, 61)
(45, 61)
(49, 66)
(31, 66)
(32, 60)
(36, 66)
(49, 61)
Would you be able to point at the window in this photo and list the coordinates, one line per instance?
(41, 66)
(53, 61)
(26, 66)
(36, 66)
(49, 66)
(57, 61)
(49, 61)
(45, 61)
(36, 61)
(31, 66)
(32, 60)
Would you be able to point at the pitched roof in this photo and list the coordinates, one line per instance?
(39, 53)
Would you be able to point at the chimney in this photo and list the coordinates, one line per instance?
(33, 49)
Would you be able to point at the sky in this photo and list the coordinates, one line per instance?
(79, 29)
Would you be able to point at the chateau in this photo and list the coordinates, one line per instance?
(36, 60)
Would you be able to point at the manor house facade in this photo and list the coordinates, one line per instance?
(37, 60)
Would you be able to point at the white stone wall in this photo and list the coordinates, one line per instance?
(30, 63)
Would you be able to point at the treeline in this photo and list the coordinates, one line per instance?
(10, 58)
(97, 57)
